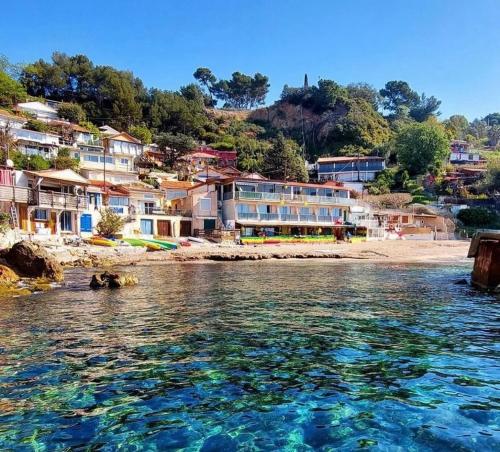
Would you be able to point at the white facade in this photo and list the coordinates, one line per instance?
(40, 110)
(464, 157)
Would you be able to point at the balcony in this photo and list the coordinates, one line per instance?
(16, 194)
(278, 197)
(154, 211)
(266, 218)
(37, 137)
(57, 200)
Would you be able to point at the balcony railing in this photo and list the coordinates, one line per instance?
(278, 197)
(153, 211)
(58, 200)
(289, 218)
(16, 194)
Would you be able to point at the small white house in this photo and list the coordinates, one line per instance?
(39, 110)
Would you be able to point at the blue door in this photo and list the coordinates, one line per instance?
(147, 227)
(86, 222)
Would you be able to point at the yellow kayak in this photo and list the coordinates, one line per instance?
(101, 242)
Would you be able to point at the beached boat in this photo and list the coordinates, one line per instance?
(162, 243)
(101, 241)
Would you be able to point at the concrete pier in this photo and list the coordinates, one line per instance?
(485, 249)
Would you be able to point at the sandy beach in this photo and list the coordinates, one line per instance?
(386, 251)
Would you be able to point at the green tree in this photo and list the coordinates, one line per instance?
(478, 217)
(110, 223)
(29, 162)
(71, 112)
(283, 161)
(36, 125)
(240, 91)
(424, 108)
(421, 147)
(142, 133)
(364, 91)
(173, 113)
(397, 94)
(360, 130)
(457, 126)
(64, 160)
(11, 91)
(251, 154)
(174, 146)
(492, 178)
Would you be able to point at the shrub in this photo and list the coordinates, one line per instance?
(110, 223)
(477, 216)
(71, 112)
(37, 126)
(4, 222)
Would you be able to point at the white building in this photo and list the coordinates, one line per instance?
(39, 110)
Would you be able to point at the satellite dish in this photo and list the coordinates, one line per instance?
(9, 163)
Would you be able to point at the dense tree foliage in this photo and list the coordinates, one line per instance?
(11, 91)
(478, 217)
(174, 146)
(71, 112)
(240, 91)
(422, 147)
(457, 127)
(401, 101)
(283, 161)
(142, 133)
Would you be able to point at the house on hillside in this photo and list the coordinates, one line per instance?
(462, 152)
(39, 110)
(112, 159)
(349, 169)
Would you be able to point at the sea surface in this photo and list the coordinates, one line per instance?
(288, 355)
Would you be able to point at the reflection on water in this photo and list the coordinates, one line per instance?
(289, 355)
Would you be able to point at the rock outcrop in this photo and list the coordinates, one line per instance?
(113, 280)
(32, 260)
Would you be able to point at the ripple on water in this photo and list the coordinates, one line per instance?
(288, 355)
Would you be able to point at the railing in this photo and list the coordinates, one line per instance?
(269, 216)
(154, 211)
(277, 197)
(290, 218)
(248, 215)
(58, 200)
(39, 137)
(16, 194)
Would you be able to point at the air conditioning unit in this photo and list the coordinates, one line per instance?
(79, 191)
(219, 204)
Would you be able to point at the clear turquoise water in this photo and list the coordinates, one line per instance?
(295, 355)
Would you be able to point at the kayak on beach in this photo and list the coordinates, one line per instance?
(101, 241)
(153, 245)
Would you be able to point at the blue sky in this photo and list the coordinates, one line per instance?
(446, 48)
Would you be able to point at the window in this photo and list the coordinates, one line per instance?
(91, 158)
(149, 207)
(206, 204)
(336, 212)
(108, 159)
(118, 201)
(41, 215)
(124, 161)
(65, 221)
(323, 211)
(76, 155)
(305, 211)
(243, 208)
(285, 210)
(95, 199)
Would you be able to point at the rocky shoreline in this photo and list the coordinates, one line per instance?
(30, 267)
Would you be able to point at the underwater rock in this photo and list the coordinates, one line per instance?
(461, 282)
